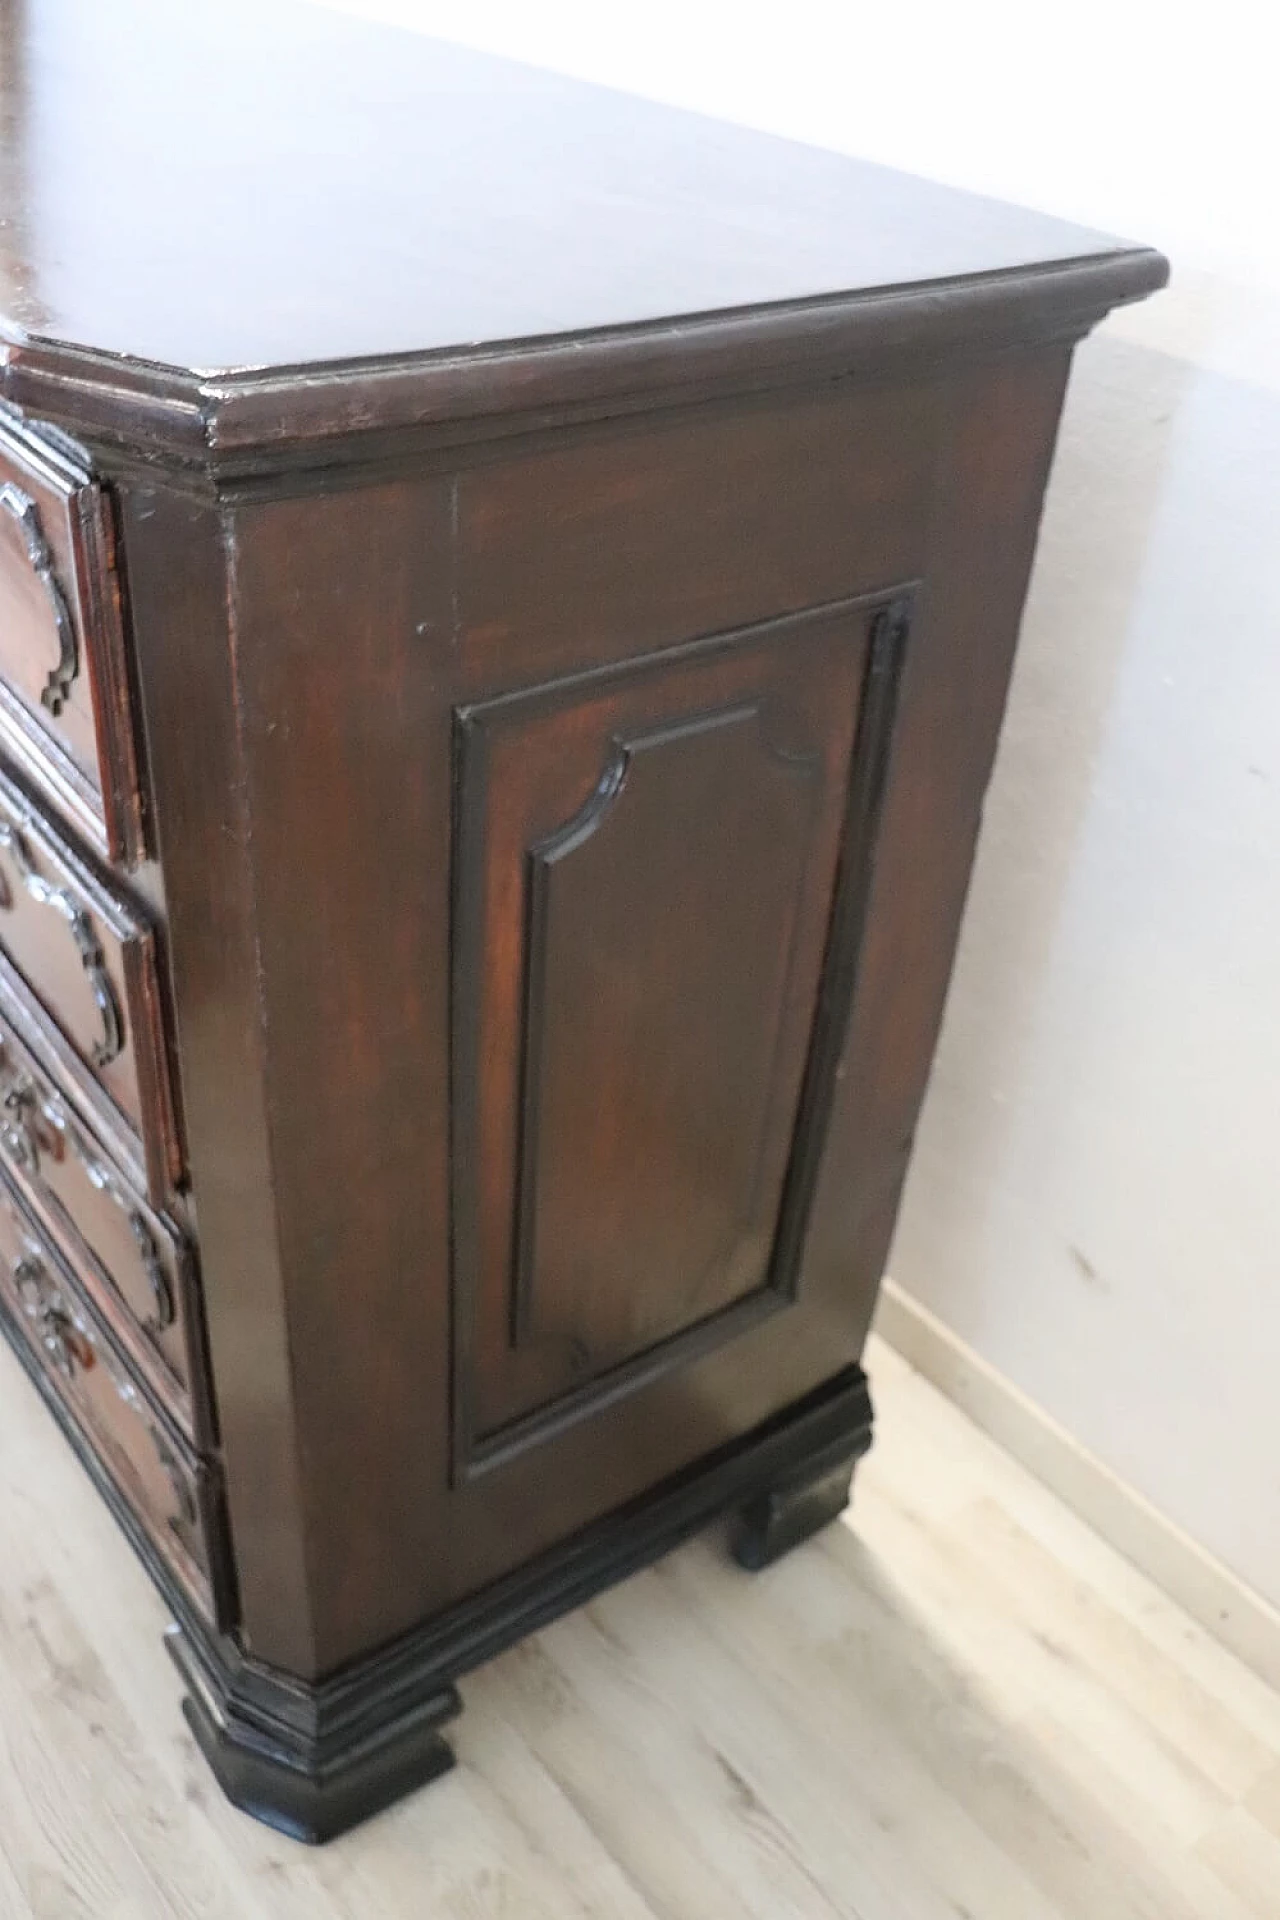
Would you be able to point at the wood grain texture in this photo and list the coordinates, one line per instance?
(65, 711)
(188, 706)
(321, 243)
(644, 865)
(171, 1495)
(315, 1759)
(88, 951)
(971, 1705)
(302, 677)
(545, 534)
(572, 556)
(138, 1265)
(449, 235)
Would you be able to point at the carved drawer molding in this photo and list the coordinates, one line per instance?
(169, 1494)
(89, 955)
(65, 712)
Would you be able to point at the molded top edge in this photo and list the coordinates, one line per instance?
(286, 417)
(236, 221)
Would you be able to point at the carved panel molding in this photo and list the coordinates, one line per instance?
(659, 887)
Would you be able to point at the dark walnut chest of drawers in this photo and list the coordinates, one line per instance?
(506, 599)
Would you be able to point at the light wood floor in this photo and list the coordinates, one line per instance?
(960, 1707)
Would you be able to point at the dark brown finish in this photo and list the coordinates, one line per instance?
(90, 955)
(313, 1784)
(572, 556)
(178, 587)
(570, 211)
(173, 1495)
(137, 1264)
(779, 1518)
(65, 716)
(543, 540)
(645, 866)
(314, 1760)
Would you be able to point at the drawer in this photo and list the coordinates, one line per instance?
(169, 1494)
(137, 1264)
(90, 957)
(65, 708)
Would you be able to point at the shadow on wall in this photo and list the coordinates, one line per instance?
(1092, 1204)
(1112, 454)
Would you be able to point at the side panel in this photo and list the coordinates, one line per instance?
(186, 659)
(342, 668)
(639, 537)
(643, 875)
(319, 929)
(1001, 426)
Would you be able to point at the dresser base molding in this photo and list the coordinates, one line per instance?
(314, 1760)
(311, 1773)
(779, 1518)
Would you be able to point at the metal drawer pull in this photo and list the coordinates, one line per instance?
(22, 508)
(69, 1345)
(20, 1103)
(142, 1235)
(18, 1136)
(184, 1499)
(66, 1343)
(188, 1513)
(90, 951)
(105, 1181)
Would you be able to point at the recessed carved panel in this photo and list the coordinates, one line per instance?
(646, 864)
(662, 922)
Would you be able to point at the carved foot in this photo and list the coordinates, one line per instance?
(304, 1759)
(780, 1517)
(314, 1758)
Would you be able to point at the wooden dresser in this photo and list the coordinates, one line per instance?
(506, 599)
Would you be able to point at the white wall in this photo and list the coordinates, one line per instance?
(1095, 1199)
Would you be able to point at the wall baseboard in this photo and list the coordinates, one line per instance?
(1218, 1599)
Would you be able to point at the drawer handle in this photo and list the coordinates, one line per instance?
(162, 1316)
(184, 1499)
(18, 1136)
(187, 1515)
(22, 508)
(100, 1176)
(24, 1105)
(65, 1343)
(70, 1346)
(108, 1047)
(21, 1140)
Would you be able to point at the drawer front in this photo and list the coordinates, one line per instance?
(90, 957)
(173, 1496)
(136, 1263)
(65, 711)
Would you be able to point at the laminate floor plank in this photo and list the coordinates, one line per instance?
(1128, 1698)
(1245, 1855)
(834, 1765)
(962, 1705)
(657, 1844)
(681, 1787)
(940, 1464)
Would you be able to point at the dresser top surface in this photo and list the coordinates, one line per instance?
(229, 186)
